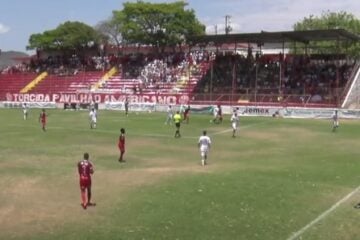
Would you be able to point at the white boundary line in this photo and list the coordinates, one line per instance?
(323, 215)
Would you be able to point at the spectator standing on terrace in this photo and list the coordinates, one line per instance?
(121, 144)
(169, 115)
(85, 170)
(42, 119)
(234, 123)
(204, 144)
(177, 120)
(25, 108)
(93, 118)
(335, 119)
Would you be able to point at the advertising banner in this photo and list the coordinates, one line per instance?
(29, 105)
(97, 98)
(135, 107)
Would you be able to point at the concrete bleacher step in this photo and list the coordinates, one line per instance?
(103, 80)
(72, 83)
(34, 82)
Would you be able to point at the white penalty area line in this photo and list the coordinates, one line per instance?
(323, 215)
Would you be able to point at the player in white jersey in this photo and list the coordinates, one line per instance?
(25, 108)
(93, 118)
(335, 119)
(215, 114)
(182, 109)
(234, 122)
(169, 117)
(204, 145)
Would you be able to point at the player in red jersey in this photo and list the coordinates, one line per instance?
(121, 144)
(42, 119)
(85, 169)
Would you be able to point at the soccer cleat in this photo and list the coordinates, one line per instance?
(357, 206)
(83, 206)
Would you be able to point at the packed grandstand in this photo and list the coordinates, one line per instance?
(198, 74)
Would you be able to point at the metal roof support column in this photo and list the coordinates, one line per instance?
(337, 64)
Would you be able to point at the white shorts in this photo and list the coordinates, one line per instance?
(234, 126)
(204, 151)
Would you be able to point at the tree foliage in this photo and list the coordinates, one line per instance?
(110, 29)
(66, 37)
(333, 20)
(158, 24)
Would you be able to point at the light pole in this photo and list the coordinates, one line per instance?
(256, 79)
(280, 76)
(227, 24)
(211, 79)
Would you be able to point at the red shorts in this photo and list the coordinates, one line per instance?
(85, 182)
(121, 148)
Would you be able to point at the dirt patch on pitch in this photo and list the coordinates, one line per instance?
(22, 200)
(32, 206)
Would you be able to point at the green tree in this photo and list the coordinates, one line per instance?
(110, 29)
(67, 37)
(332, 20)
(158, 24)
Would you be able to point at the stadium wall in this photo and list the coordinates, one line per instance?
(97, 98)
(261, 111)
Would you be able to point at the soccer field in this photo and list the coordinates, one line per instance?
(279, 179)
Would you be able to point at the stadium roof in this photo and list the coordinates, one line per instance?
(278, 37)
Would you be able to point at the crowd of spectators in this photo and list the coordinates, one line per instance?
(158, 71)
(18, 68)
(60, 65)
(318, 75)
(132, 64)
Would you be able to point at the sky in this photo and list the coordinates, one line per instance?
(21, 18)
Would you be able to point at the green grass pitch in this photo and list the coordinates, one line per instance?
(271, 181)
